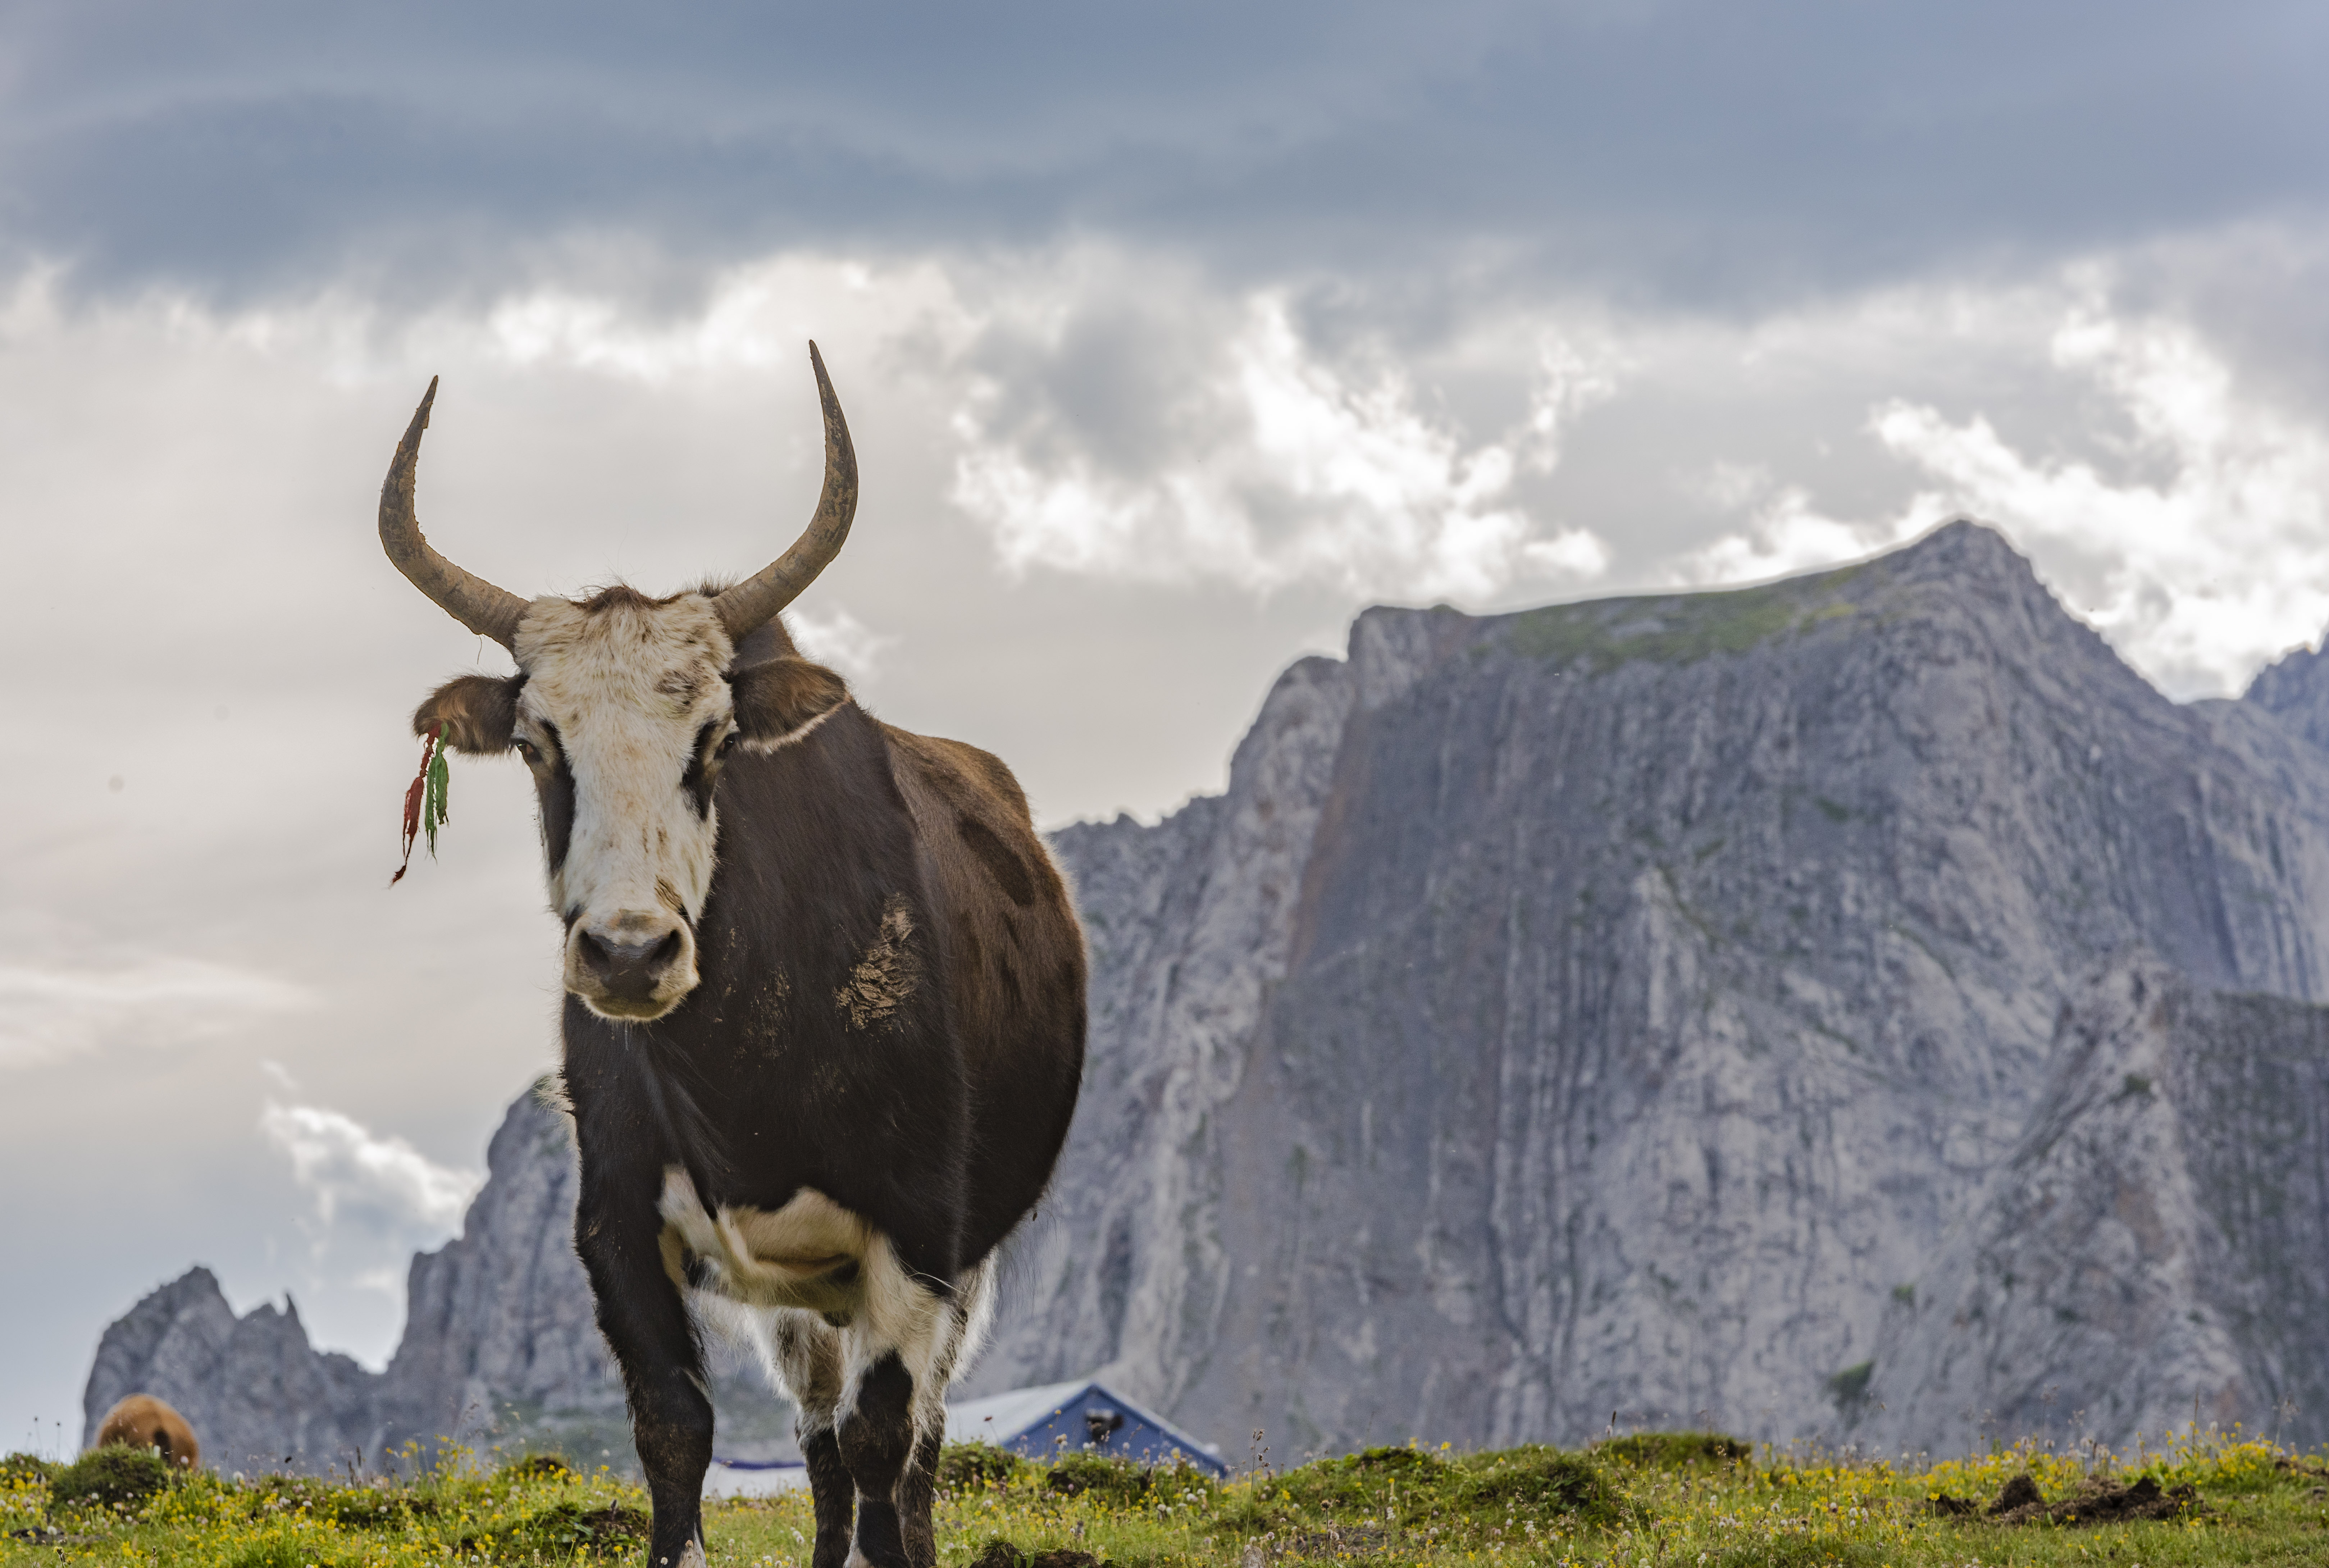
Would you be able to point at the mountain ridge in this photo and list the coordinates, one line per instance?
(1818, 827)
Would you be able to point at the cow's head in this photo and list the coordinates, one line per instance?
(625, 708)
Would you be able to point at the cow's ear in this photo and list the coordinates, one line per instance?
(479, 712)
(774, 699)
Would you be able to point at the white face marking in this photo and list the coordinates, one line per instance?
(629, 690)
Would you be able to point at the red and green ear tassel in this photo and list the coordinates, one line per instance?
(424, 797)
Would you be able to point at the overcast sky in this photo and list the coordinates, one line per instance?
(1171, 337)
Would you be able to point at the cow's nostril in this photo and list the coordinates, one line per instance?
(666, 953)
(595, 957)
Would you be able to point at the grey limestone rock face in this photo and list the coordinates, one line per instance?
(2156, 1250)
(2295, 691)
(1609, 1008)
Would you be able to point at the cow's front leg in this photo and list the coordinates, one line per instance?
(617, 1231)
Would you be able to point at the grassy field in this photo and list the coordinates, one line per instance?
(1654, 1499)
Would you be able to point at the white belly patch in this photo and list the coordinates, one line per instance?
(811, 1253)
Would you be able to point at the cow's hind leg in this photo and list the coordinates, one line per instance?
(901, 1354)
(961, 1329)
(806, 1356)
(877, 1443)
(918, 1495)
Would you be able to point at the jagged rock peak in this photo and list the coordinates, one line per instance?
(192, 1303)
(255, 1393)
(2294, 688)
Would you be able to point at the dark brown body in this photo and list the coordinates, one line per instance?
(1015, 966)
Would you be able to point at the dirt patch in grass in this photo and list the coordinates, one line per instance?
(2017, 1497)
(2101, 1501)
(2096, 1500)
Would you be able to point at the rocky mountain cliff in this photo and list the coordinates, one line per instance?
(1610, 1007)
(2156, 1250)
(1698, 1007)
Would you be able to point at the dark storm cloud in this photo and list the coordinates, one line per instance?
(1699, 151)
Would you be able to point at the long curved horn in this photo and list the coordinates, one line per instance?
(487, 610)
(747, 606)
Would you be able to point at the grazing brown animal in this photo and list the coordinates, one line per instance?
(143, 1421)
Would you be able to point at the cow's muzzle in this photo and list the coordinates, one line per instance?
(634, 968)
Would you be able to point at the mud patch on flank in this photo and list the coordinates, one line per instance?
(887, 975)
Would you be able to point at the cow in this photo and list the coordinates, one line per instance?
(143, 1421)
(824, 1020)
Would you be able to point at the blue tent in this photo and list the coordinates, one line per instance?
(1080, 1417)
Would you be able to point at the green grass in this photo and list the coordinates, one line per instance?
(1674, 1449)
(108, 1478)
(1689, 1500)
(1679, 628)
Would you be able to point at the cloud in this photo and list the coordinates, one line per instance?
(1786, 531)
(752, 316)
(2197, 540)
(56, 1010)
(379, 1190)
(832, 636)
(1283, 468)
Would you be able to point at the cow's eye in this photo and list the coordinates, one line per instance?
(528, 749)
(728, 744)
